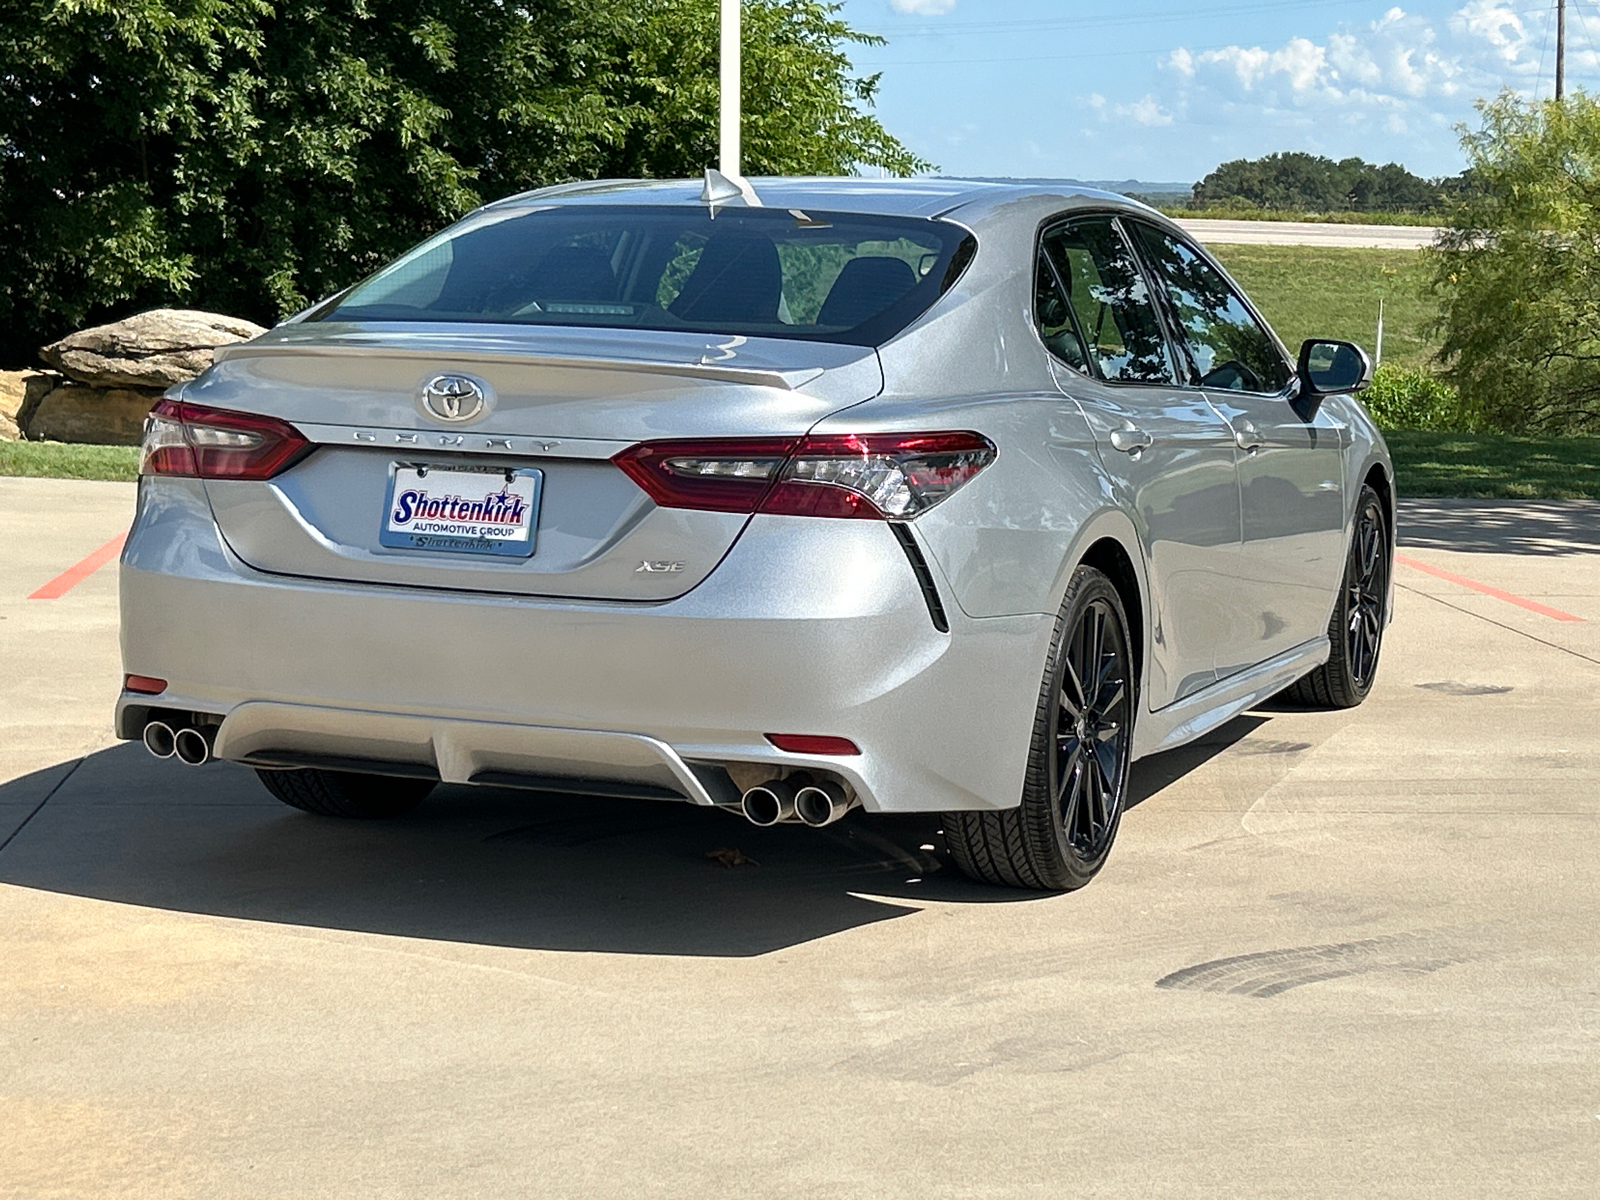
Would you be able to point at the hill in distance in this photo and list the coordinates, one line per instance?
(1139, 187)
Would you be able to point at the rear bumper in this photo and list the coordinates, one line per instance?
(808, 626)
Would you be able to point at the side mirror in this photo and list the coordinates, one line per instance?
(1327, 367)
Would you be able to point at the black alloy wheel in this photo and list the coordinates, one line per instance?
(1078, 766)
(1355, 632)
(1089, 769)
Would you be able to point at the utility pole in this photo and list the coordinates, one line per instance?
(728, 107)
(1561, 47)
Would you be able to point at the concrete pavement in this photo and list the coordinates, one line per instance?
(1334, 954)
(1312, 233)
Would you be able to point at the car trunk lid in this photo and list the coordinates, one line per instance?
(558, 404)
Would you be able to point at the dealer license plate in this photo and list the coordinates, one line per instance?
(463, 510)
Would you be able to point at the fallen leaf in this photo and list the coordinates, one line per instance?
(729, 857)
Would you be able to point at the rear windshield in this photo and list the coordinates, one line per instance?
(838, 277)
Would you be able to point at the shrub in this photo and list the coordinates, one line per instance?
(1407, 398)
(1518, 269)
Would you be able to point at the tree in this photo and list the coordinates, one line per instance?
(1308, 182)
(252, 155)
(1517, 269)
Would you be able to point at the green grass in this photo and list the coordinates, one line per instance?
(57, 460)
(1495, 466)
(1225, 213)
(1320, 291)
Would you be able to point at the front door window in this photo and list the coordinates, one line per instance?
(1228, 349)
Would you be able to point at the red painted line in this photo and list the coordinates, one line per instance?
(81, 570)
(1544, 610)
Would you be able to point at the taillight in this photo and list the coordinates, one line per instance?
(879, 476)
(725, 475)
(214, 443)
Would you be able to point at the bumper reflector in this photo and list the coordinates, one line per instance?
(145, 685)
(812, 743)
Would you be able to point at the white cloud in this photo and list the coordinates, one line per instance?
(1496, 23)
(1392, 70)
(1385, 88)
(1145, 111)
(924, 8)
(1391, 85)
(1300, 62)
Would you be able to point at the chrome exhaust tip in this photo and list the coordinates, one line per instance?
(192, 747)
(159, 739)
(819, 804)
(770, 802)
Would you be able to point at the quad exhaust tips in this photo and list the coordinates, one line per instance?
(188, 744)
(797, 798)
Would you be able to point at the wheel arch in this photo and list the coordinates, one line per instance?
(1111, 559)
(1108, 543)
(1378, 478)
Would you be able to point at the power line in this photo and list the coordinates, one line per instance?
(882, 64)
(1588, 36)
(1152, 17)
(1012, 58)
(1544, 48)
(1046, 24)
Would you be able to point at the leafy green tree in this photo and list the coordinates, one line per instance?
(1518, 268)
(251, 155)
(1309, 182)
(801, 102)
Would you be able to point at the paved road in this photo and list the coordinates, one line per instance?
(1335, 954)
(1308, 233)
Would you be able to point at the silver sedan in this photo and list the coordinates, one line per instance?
(906, 496)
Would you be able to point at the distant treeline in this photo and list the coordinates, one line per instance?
(1311, 183)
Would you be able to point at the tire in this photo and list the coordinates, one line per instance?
(1355, 630)
(1059, 837)
(343, 794)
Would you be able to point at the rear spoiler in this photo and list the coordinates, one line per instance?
(707, 368)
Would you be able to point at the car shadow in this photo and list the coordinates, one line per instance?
(1157, 772)
(1500, 526)
(485, 865)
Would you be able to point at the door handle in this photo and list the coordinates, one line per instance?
(1131, 441)
(1248, 438)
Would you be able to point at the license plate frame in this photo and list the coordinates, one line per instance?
(448, 532)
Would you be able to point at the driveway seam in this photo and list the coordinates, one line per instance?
(47, 797)
(1501, 624)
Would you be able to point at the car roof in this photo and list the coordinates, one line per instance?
(922, 197)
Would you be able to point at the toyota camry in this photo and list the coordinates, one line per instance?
(790, 498)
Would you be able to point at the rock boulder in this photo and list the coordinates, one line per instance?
(154, 349)
(98, 416)
(20, 393)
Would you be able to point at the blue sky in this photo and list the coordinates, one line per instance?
(1162, 90)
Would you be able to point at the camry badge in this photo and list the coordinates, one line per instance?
(454, 397)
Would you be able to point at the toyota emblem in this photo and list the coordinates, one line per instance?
(454, 397)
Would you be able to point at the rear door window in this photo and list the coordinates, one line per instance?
(1057, 326)
(1228, 349)
(1108, 296)
(770, 272)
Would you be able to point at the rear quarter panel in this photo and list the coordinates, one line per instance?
(1008, 540)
